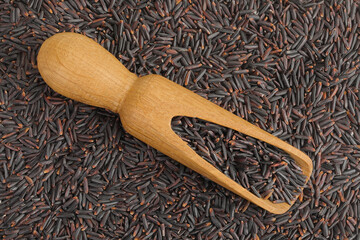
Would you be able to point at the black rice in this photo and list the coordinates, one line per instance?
(68, 170)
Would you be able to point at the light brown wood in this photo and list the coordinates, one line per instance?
(79, 68)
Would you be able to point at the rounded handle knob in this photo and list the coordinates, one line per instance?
(79, 68)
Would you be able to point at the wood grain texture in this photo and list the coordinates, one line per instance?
(78, 68)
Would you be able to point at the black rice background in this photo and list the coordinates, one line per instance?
(69, 171)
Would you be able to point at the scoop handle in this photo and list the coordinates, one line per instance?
(76, 67)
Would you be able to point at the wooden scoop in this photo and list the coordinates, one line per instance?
(79, 68)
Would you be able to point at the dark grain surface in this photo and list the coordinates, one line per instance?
(69, 171)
